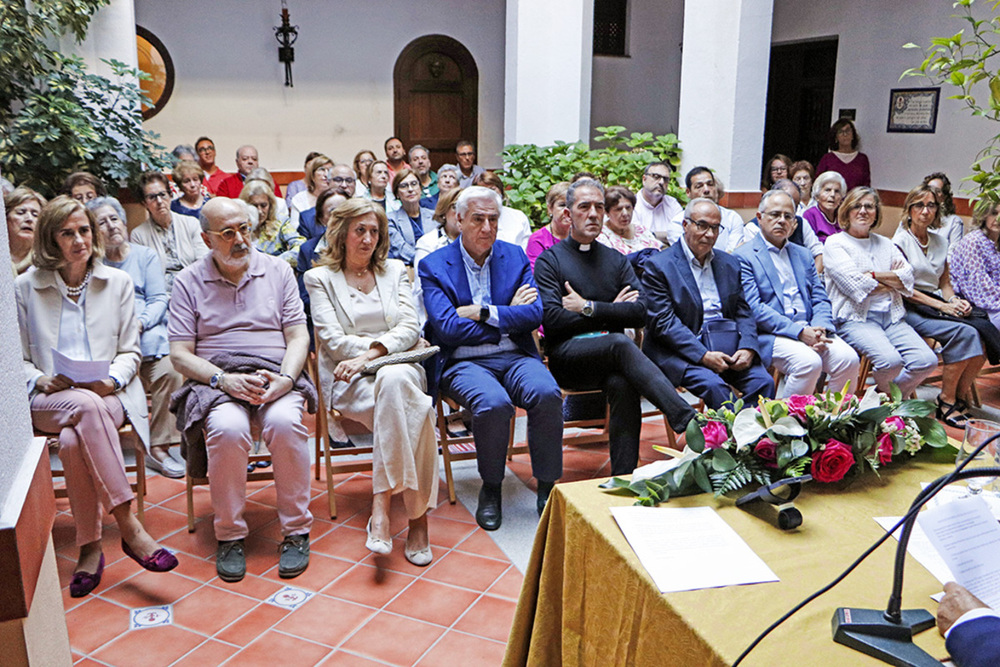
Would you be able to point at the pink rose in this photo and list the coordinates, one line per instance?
(797, 406)
(885, 447)
(767, 451)
(896, 423)
(715, 434)
(832, 462)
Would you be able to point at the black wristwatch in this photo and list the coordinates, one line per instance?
(588, 309)
(484, 314)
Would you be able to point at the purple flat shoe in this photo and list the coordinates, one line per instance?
(161, 560)
(84, 582)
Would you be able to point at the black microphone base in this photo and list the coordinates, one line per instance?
(867, 631)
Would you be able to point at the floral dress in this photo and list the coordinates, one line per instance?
(283, 242)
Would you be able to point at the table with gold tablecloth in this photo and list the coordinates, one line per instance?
(586, 599)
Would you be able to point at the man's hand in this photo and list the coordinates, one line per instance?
(524, 295)
(627, 295)
(741, 360)
(470, 312)
(50, 384)
(956, 601)
(104, 387)
(814, 337)
(716, 361)
(247, 387)
(572, 301)
(278, 386)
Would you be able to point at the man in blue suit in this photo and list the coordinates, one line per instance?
(790, 305)
(694, 299)
(482, 307)
(970, 628)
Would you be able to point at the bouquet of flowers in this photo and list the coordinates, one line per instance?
(828, 435)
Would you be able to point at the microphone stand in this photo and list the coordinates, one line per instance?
(888, 635)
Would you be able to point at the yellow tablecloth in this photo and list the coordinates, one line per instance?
(587, 600)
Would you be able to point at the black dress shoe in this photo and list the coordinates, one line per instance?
(488, 514)
(544, 489)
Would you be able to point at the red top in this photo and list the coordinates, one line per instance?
(232, 186)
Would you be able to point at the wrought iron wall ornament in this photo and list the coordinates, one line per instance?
(286, 34)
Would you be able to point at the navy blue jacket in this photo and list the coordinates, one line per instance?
(975, 643)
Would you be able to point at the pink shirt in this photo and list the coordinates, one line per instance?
(222, 317)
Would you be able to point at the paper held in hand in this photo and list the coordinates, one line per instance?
(77, 370)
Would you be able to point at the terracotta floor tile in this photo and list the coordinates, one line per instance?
(410, 639)
(481, 544)
(208, 654)
(150, 588)
(159, 487)
(397, 560)
(577, 459)
(347, 506)
(201, 543)
(261, 555)
(252, 625)
(345, 659)
(149, 647)
(368, 585)
(87, 662)
(210, 609)
(466, 570)
(94, 624)
(490, 617)
(161, 522)
(509, 585)
(202, 502)
(251, 586)
(321, 571)
(343, 542)
(263, 493)
(456, 648)
(432, 602)
(325, 620)
(447, 532)
(276, 648)
(199, 569)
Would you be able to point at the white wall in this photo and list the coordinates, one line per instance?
(642, 91)
(869, 62)
(229, 83)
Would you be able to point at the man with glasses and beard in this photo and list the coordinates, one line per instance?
(654, 208)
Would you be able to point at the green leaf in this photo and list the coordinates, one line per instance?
(914, 408)
(701, 476)
(722, 461)
(615, 483)
(694, 437)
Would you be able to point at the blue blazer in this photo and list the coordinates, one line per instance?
(763, 292)
(308, 227)
(675, 314)
(402, 241)
(446, 287)
(975, 643)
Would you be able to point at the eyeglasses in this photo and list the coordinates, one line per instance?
(409, 185)
(467, 154)
(780, 168)
(864, 206)
(206, 149)
(366, 160)
(780, 215)
(659, 177)
(229, 233)
(343, 180)
(930, 206)
(153, 196)
(704, 227)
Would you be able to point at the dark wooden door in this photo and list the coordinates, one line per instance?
(800, 99)
(436, 84)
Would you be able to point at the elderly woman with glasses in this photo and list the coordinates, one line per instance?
(409, 222)
(867, 277)
(934, 310)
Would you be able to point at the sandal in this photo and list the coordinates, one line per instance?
(951, 413)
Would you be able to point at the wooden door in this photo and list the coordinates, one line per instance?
(436, 84)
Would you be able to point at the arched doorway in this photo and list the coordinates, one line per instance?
(436, 85)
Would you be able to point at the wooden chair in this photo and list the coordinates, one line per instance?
(129, 440)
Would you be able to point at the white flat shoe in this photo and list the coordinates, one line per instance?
(419, 557)
(377, 544)
(169, 467)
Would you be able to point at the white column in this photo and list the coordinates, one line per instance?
(549, 57)
(110, 36)
(724, 66)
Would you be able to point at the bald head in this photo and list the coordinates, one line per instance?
(246, 159)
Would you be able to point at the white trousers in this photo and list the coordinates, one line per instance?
(803, 365)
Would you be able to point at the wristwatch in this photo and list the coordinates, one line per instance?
(216, 381)
(588, 309)
(117, 384)
(484, 314)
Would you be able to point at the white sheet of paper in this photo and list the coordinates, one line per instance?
(956, 491)
(684, 549)
(79, 371)
(920, 548)
(967, 536)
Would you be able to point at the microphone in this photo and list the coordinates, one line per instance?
(888, 635)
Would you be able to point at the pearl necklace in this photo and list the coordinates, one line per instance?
(78, 290)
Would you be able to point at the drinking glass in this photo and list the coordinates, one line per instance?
(977, 431)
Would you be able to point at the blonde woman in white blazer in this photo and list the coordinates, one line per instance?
(72, 303)
(362, 309)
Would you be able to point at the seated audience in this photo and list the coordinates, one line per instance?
(23, 206)
(802, 174)
(701, 182)
(844, 156)
(184, 152)
(447, 231)
(299, 184)
(83, 186)
(238, 334)
(362, 309)
(620, 232)
(514, 225)
(788, 301)
(465, 158)
(76, 305)
(395, 155)
(558, 227)
(802, 233)
(206, 160)
(654, 208)
(310, 250)
(159, 379)
(246, 161)
(409, 222)
(970, 628)
(952, 226)
(935, 312)
(379, 189)
(362, 164)
(271, 235)
(866, 279)
(482, 307)
(590, 295)
(189, 179)
(975, 261)
(420, 162)
(176, 239)
(778, 167)
(827, 193)
(700, 330)
(447, 180)
(318, 175)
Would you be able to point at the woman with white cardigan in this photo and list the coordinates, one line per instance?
(866, 279)
(362, 309)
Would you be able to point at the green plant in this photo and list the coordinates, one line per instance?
(963, 61)
(530, 170)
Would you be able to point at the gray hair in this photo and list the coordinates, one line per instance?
(417, 147)
(101, 202)
(476, 193)
(247, 146)
(216, 202)
(582, 183)
(180, 149)
(260, 174)
(450, 167)
(347, 167)
(689, 209)
(825, 178)
(771, 194)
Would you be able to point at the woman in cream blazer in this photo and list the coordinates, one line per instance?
(72, 303)
(362, 309)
